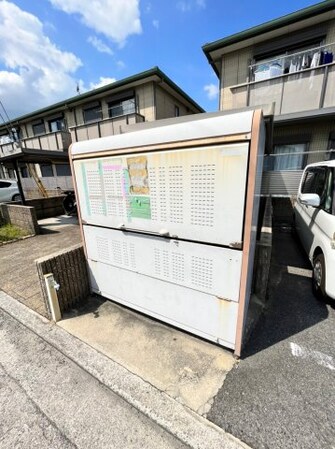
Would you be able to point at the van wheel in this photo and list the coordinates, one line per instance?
(319, 276)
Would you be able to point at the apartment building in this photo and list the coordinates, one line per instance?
(290, 62)
(37, 143)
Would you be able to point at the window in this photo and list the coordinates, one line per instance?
(63, 170)
(329, 194)
(11, 173)
(176, 111)
(46, 170)
(56, 124)
(24, 171)
(122, 107)
(92, 113)
(320, 180)
(38, 128)
(4, 184)
(286, 157)
(314, 180)
(331, 146)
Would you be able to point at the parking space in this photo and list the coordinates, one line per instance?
(282, 393)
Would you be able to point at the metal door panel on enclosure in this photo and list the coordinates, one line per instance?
(195, 194)
(208, 269)
(169, 217)
(202, 314)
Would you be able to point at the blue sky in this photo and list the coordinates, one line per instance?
(50, 46)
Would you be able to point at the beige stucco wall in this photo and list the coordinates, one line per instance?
(29, 129)
(319, 132)
(330, 39)
(69, 117)
(78, 113)
(24, 132)
(234, 71)
(145, 101)
(166, 103)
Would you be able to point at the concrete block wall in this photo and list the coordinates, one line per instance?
(47, 207)
(70, 272)
(22, 216)
(261, 271)
(263, 253)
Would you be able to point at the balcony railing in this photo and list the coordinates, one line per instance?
(55, 141)
(294, 86)
(291, 63)
(103, 128)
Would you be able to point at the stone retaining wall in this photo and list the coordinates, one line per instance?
(69, 269)
(22, 216)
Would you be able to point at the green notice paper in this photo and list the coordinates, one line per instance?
(140, 207)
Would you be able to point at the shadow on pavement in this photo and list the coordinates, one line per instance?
(90, 306)
(46, 230)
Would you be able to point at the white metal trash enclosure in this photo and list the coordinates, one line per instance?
(169, 218)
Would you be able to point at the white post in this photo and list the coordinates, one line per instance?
(52, 287)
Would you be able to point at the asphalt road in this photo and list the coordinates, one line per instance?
(47, 401)
(282, 393)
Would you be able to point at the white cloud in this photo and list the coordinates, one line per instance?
(212, 91)
(103, 81)
(99, 45)
(37, 73)
(155, 24)
(188, 5)
(120, 64)
(115, 19)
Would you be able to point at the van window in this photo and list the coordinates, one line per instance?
(320, 180)
(314, 180)
(328, 201)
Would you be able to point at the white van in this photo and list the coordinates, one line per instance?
(314, 217)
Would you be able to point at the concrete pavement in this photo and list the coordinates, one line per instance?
(48, 401)
(185, 367)
(83, 398)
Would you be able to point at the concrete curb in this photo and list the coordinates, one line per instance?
(189, 427)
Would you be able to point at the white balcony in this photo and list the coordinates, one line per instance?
(54, 141)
